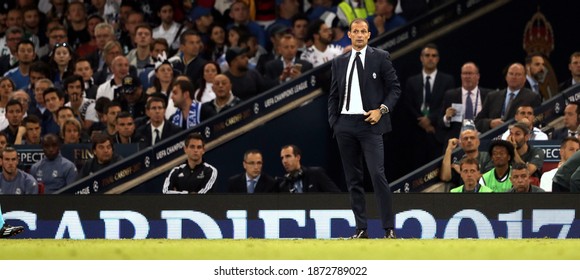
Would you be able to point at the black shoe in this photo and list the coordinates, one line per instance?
(390, 234)
(8, 230)
(360, 233)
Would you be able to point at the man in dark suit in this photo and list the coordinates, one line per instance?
(422, 105)
(289, 66)
(358, 111)
(253, 180)
(302, 179)
(157, 129)
(469, 95)
(574, 67)
(571, 116)
(502, 105)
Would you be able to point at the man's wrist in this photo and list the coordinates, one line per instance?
(383, 109)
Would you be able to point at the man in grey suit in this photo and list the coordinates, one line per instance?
(501, 105)
(358, 111)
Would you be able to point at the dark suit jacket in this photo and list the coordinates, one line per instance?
(413, 97)
(560, 134)
(145, 136)
(238, 184)
(274, 68)
(566, 84)
(380, 86)
(494, 103)
(314, 179)
(454, 96)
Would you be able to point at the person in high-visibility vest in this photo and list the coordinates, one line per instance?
(348, 10)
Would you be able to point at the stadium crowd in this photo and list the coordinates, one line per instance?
(106, 72)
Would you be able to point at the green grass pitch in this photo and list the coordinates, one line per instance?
(261, 249)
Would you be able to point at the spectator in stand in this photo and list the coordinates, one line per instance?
(216, 47)
(104, 156)
(111, 111)
(520, 179)
(286, 10)
(422, 103)
(470, 175)
(322, 49)
(195, 176)
(31, 133)
(205, 91)
(501, 105)
(56, 35)
(24, 99)
(54, 99)
(127, 37)
(168, 29)
(224, 99)
(7, 87)
(64, 113)
(469, 142)
(40, 109)
(140, 56)
(188, 112)
(163, 77)
(54, 170)
(385, 19)
(14, 115)
(157, 129)
(76, 16)
(104, 33)
(289, 66)
(276, 33)
(84, 70)
(188, 61)
(255, 51)
(247, 83)
(253, 180)
(90, 47)
(300, 30)
(38, 70)
(348, 10)
(58, 10)
(202, 19)
(302, 179)
(72, 133)
(34, 25)
(502, 155)
(574, 67)
(9, 54)
(470, 96)
(536, 73)
(571, 117)
(125, 129)
(111, 51)
(26, 55)
(569, 146)
(120, 69)
(13, 180)
(62, 62)
(239, 13)
(525, 153)
(526, 114)
(132, 98)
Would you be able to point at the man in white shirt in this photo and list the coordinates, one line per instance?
(168, 29)
(526, 114)
(569, 146)
(322, 50)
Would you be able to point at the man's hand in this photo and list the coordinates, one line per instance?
(379, 22)
(450, 113)
(425, 123)
(373, 116)
(495, 122)
(295, 72)
(452, 144)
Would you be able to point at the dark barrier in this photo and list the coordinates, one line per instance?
(291, 216)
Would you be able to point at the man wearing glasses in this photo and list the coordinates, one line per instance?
(253, 180)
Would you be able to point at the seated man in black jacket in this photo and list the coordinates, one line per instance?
(253, 180)
(301, 179)
(104, 155)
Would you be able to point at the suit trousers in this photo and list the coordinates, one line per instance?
(355, 138)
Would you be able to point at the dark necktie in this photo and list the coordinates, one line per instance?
(251, 186)
(157, 136)
(468, 107)
(427, 100)
(359, 70)
(508, 104)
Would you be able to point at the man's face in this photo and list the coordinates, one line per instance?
(23, 98)
(469, 141)
(9, 163)
(143, 37)
(519, 136)
(239, 12)
(520, 180)
(221, 86)
(71, 134)
(33, 133)
(192, 45)
(253, 164)
(76, 13)
(14, 115)
(132, 21)
(26, 53)
(325, 34)
(64, 115)
(112, 54)
(156, 112)
(14, 18)
(166, 14)
(50, 148)
(125, 126)
(12, 40)
(57, 36)
(568, 150)
(124, 11)
(39, 88)
(204, 21)
(430, 59)
(157, 50)
(536, 67)
(52, 102)
(112, 115)
(574, 66)
(516, 77)
(469, 76)
(359, 35)
(91, 25)
(164, 73)
(103, 36)
(240, 63)
(3, 142)
(83, 69)
(194, 150)
(178, 97)
(288, 48)
(104, 152)
(525, 112)
(35, 76)
(470, 175)
(500, 156)
(120, 66)
(300, 28)
(31, 19)
(571, 117)
(290, 161)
